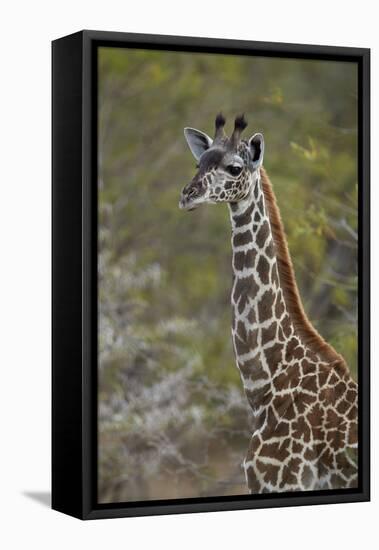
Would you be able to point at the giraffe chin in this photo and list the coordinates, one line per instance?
(188, 206)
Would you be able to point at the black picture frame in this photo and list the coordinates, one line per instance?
(74, 273)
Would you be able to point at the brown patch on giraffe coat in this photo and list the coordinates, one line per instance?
(351, 395)
(253, 368)
(254, 445)
(303, 400)
(307, 367)
(296, 447)
(263, 269)
(260, 206)
(290, 471)
(274, 356)
(353, 413)
(265, 306)
(277, 449)
(318, 433)
(310, 454)
(312, 356)
(251, 317)
(327, 395)
(241, 331)
(242, 239)
(238, 260)
(286, 326)
(260, 396)
(333, 379)
(282, 381)
(323, 374)
(336, 439)
(242, 347)
(301, 430)
(353, 433)
(274, 428)
(298, 352)
(283, 405)
(293, 372)
(242, 290)
(332, 420)
(340, 389)
(270, 253)
(262, 235)
(270, 472)
(252, 339)
(343, 406)
(281, 336)
(279, 306)
(269, 333)
(245, 217)
(315, 416)
(309, 382)
(244, 259)
(291, 345)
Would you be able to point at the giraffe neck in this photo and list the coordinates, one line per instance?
(303, 398)
(261, 323)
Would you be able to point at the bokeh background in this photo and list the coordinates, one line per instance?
(173, 420)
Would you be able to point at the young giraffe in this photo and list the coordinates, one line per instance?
(303, 398)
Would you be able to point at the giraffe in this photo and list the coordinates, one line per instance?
(302, 396)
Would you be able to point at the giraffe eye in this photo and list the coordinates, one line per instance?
(234, 170)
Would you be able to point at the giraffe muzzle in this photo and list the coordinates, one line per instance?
(187, 204)
(191, 196)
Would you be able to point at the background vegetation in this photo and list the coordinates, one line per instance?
(173, 421)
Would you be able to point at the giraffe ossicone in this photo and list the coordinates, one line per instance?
(302, 396)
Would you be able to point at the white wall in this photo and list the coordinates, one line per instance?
(26, 31)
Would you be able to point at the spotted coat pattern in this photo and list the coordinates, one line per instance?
(305, 409)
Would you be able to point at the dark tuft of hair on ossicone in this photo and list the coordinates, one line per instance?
(220, 121)
(219, 128)
(240, 123)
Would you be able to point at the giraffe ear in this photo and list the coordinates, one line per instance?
(197, 141)
(257, 147)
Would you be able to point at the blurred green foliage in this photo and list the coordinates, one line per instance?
(173, 419)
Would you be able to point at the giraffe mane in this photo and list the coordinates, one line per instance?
(302, 324)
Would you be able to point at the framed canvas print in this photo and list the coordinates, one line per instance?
(210, 275)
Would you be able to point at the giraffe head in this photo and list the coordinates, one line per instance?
(227, 168)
